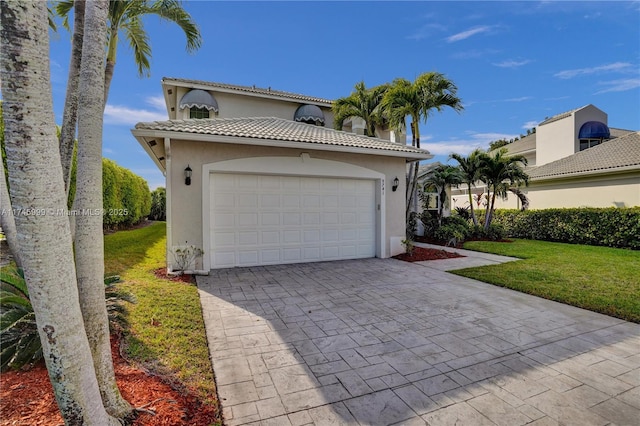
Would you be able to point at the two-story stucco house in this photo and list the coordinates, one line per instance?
(258, 176)
(575, 160)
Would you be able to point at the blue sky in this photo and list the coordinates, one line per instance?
(514, 63)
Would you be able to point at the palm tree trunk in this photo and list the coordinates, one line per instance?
(490, 207)
(473, 212)
(37, 190)
(70, 114)
(89, 237)
(110, 62)
(7, 220)
(413, 177)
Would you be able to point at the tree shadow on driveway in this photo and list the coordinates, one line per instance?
(380, 342)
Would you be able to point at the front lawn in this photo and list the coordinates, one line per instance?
(600, 279)
(166, 331)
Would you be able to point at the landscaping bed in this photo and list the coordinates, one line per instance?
(26, 397)
(420, 254)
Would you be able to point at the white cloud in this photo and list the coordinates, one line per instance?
(619, 85)
(520, 99)
(614, 67)
(512, 63)
(156, 102)
(119, 114)
(465, 146)
(425, 31)
(468, 33)
(478, 53)
(530, 124)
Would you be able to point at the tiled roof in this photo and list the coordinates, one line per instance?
(527, 143)
(621, 152)
(278, 129)
(245, 89)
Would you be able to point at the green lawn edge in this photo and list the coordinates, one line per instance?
(600, 279)
(166, 328)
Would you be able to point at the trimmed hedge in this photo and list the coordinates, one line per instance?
(126, 196)
(611, 227)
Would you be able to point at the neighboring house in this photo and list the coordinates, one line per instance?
(258, 176)
(575, 160)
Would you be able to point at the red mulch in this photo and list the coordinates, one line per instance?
(162, 273)
(420, 254)
(26, 398)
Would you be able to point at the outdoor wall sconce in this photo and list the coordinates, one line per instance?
(396, 182)
(187, 175)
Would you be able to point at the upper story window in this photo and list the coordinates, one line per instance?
(195, 112)
(310, 114)
(200, 104)
(593, 133)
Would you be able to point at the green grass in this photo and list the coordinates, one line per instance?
(123, 250)
(166, 331)
(600, 279)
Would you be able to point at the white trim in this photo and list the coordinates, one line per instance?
(303, 165)
(167, 153)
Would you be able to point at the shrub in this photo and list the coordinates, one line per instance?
(126, 196)
(158, 204)
(430, 221)
(18, 330)
(453, 227)
(496, 232)
(612, 227)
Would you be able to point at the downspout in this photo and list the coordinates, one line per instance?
(167, 162)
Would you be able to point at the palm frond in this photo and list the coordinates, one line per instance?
(139, 43)
(172, 10)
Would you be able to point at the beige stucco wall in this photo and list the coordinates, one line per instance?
(559, 139)
(186, 201)
(237, 105)
(618, 191)
(622, 190)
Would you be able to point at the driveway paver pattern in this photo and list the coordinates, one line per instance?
(383, 342)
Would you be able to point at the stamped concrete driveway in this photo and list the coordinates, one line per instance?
(381, 342)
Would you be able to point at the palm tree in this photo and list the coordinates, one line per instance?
(470, 167)
(430, 91)
(500, 172)
(363, 103)
(36, 183)
(89, 242)
(126, 15)
(438, 180)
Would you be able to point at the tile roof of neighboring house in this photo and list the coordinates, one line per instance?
(527, 143)
(278, 129)
(426, 168)
(245, 89)
(619, 153)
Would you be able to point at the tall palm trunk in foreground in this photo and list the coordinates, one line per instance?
(39, 196)
(70, 114)
(89, 237)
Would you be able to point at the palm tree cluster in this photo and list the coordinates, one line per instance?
(389, 105)
(500, 172)
(64, 274)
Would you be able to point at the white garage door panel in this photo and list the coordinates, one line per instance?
(260, 220)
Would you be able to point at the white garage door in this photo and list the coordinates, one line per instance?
(262, 219)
